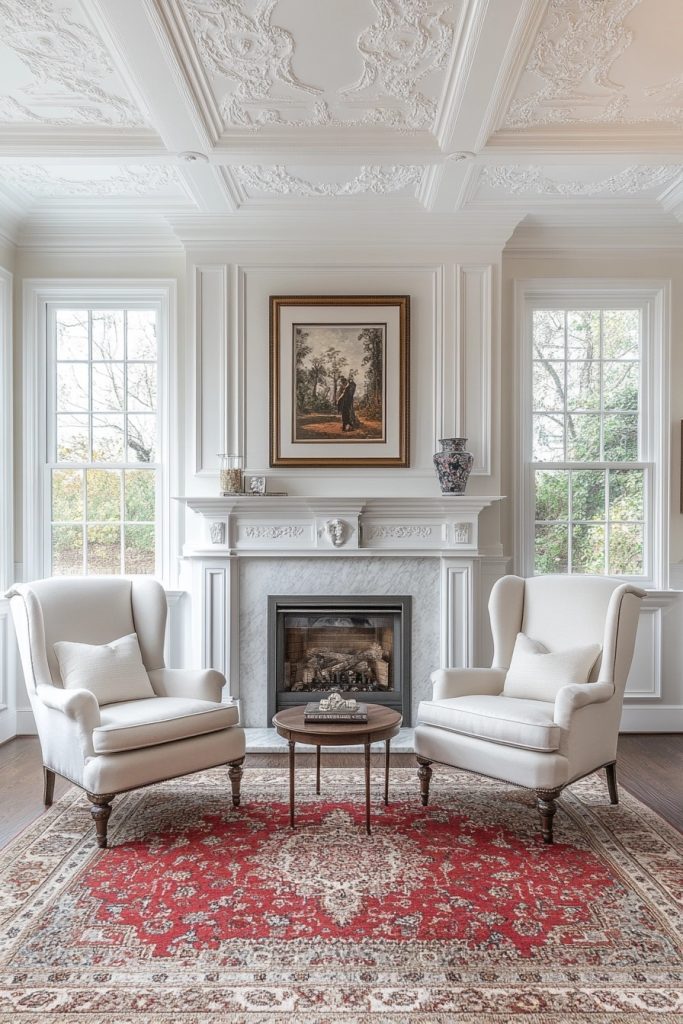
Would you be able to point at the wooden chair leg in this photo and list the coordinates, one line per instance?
(611, 772)
(424, 774)
(48, 786)
(100, 810)
(235, 772)
(547, 808)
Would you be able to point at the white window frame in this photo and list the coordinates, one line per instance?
(652, 297)
(6, 435)
(39, 296)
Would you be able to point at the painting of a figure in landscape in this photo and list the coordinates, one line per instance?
(339, 382)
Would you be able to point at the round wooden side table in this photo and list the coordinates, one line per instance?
(382, 724)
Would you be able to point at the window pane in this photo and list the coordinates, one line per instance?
(548, 333)
(142, 436)
(588, 549)
(551, 549)
(104, 549)
(552, 494)
(140, 495)
(107, 438)
(621, 385)
(108, 386)
(588, 494)
(73, 438)
(583, 385)
(583, 334)
(67, 550)
(621, 334)
(142, 387)
(549, 386)
(72, 387)
(626, 549)
(104, 494)
(621, 438)
(67, 495)
(583, 437)
(139, 549)
(142, 334)
(72, 333)
(626, 494)
(107, 334)
(548, 438)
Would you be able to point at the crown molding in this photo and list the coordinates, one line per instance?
(589, 140)
(560, 241)
(81, 233)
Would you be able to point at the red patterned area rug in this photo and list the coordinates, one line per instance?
(199, 913)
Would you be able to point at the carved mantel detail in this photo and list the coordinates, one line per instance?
(273, 532)
(397, 532)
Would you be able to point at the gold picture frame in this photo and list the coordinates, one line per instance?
(339, 380)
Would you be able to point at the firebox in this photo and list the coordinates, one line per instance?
(357, 645)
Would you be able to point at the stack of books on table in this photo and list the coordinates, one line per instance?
(314, 714)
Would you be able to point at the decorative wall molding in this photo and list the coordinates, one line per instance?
(531, 180)
(473, 379)
(71, 69)
(273, 532)
(374, 179)
(397, 532)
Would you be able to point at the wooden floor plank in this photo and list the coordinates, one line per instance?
(649, 766)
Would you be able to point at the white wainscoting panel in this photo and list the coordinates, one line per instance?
(474, 344)
(210, 366)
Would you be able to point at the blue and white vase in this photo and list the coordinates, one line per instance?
(453, 465)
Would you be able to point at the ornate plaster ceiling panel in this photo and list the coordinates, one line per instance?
(615, 62)
(576, 182)
(360, 62)
(55, 70)
(134, 181)
(311, 182)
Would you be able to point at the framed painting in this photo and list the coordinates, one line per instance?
(339, 380)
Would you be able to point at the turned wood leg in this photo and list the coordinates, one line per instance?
(100, 810)
(291, 745)
(547, 808)
(387, 757)
(611, 771)
(235, 771)
(424, 774)
(367, 788)
(48, 786)
(317, 770)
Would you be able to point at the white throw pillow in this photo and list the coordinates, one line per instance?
(112, 671)
(536, 673)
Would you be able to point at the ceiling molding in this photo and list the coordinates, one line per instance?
(589, 138)
(522, 39)
(533, 241)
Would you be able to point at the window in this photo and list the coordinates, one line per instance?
(103, 439)
(100, 433)
(592, 435)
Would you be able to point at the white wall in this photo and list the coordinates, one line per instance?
(7, 647)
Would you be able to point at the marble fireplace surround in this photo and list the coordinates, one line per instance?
(247, 548)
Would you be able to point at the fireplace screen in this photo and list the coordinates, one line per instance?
(359, 646)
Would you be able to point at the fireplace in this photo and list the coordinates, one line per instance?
(357, 645)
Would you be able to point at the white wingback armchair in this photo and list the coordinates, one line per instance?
(541, 744)
(104, 744)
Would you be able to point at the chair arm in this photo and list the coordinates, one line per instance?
(465, 682)
(577, 695)
(79, 705)
(202, 684)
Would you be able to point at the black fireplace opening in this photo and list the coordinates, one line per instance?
(357, 645)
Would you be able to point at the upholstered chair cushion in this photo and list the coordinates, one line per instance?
(132, 725)
(112, 672)
(536, 673)
(527, 724)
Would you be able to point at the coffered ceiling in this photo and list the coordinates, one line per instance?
(433, 114)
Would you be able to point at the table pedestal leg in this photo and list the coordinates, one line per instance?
(387, 754)
(291, 783)
(317, 770)
(367, 788)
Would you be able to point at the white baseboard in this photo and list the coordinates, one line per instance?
(26, 725)
(665, 718)
(8, 724)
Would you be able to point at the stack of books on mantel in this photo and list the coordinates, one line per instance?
(358, 714)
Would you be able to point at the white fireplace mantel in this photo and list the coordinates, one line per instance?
(292, 525)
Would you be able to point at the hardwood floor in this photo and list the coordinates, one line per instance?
(650, 766)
